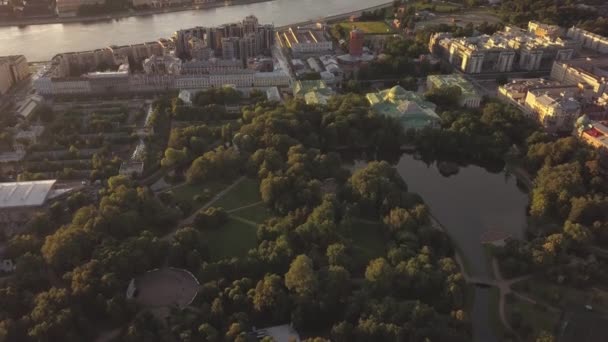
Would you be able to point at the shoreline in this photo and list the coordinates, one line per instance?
(20, 23)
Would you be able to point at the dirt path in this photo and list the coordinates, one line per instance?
(246, 221)
(244, 207)
(188, 220)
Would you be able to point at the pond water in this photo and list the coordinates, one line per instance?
(469, 204)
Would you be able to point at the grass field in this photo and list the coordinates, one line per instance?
(245, 193)
(257, 213)
(187, 192)
(497, 326)
(234, 239)
(368, 27)
(537, 317)
(563, 296)
(443, 7)
(238, 236)
(368, 242)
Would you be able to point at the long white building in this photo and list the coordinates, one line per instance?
(588, 39)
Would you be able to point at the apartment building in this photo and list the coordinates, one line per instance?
(247, 36)
(592, 72)
(588, 39)
(12, 70)
(304, 40)
(555, 110)
(510, 49)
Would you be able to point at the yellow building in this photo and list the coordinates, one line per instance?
(555, 111)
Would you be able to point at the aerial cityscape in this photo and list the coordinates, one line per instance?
(274, 170)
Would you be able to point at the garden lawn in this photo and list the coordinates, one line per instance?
(187, 192)
(368, 27)
(564, 297)
(537, 316)
(368, 242)
(234, 239)
(245, 193)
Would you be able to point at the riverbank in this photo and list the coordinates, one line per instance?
(121, 15)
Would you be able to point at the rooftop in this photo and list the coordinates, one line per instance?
(409, 108)
(441, 81)
(25, 194)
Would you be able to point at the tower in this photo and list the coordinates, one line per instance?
(355, 46)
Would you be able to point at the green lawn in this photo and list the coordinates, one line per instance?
(187, 192)
(368, 27)
(245, 193)
(497, 326)
(234, 239)
(368, 242)
(443, 7)
(534, 316)
(257, 213)
(564, 296)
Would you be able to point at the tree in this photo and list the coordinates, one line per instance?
(377, 187)
(30, 272)
(399, 219)
(210, 218)
(301, 277)
(52, 318)
(446, 97)
(554, 188)
(342, 332)
(18, 245)
(174, 157)
(222, 163)
(68, 247)
(337, 255)
(270, 299)
(208, 333)
(545, 336)
(188, 248)
(379, 274)
(577, 232)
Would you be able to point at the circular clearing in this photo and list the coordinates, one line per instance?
(166, 287)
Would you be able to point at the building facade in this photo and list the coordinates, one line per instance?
(505, 51)
(592, 72)
(469, 96)
(13, 69)
(556, 111)
(589, 40)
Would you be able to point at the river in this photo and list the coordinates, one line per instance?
(41, 42)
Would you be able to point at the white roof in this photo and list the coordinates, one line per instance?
(25, 194)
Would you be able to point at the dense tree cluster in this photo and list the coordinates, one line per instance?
(562, 13)
(567, 209)
(71, 280)
(468, 135)
(397, 60)
(303, 269)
